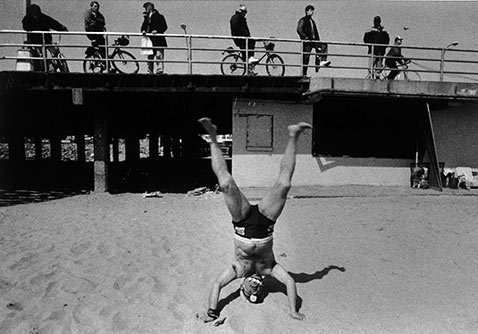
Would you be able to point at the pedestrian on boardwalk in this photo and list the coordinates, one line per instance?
(395, 57)
(377, 35)
(95, 22)
(155, 23)
(254, 226)
(307, 30)
(240, 28)
(35, 20)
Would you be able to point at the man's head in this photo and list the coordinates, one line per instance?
(148, 7)
(243, 9)
(309, 10)
(398, 40)
(377, 21)
(95, 6)
(252, 288)
(33, 10)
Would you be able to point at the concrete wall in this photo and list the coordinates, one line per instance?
(456, 134)
(259, 138)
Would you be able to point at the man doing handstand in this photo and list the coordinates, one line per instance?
(253, 224)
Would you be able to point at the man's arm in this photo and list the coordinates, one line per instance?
(54, 24)
(279, 273)
(300, 29)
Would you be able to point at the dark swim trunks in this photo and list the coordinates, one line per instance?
(255, 226)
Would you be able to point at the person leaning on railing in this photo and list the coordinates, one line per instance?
(377, 35)
(95, 22)
(394, 57)
(35, 20)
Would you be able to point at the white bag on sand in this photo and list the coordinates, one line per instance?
(146, 45)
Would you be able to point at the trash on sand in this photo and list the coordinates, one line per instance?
(153, 194)
(203, 190)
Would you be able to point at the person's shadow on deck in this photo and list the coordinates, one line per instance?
(271, 285)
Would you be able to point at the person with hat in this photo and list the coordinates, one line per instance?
(240, 28)
(394, 57)
(377, 35)
(155, 23)
(307, 30)
(253, 226)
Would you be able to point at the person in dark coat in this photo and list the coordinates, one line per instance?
(307, 30)
(239, 27)
(377, 35)
(155, 23)
(95, 22)
(35, 20)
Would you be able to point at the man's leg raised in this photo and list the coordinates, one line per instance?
(236, 202)
(273, 202)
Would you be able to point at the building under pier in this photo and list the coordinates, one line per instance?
(366, 132)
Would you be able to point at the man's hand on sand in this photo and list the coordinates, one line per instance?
(206, 319)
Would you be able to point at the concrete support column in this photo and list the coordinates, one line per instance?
(115, 142)
(80, 147)
(16, 148)
(132, 147)
(166, 140)
(55, 148)
(38, 147)
(102, 154)
(153, 145)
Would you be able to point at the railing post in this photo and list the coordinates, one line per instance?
(190, 55)
(247, 56)
(107, 63)
(442, 63)
(301, 55)
(45, 63)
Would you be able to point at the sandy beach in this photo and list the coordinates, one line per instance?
(365, 259)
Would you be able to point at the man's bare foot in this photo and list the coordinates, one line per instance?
(208, 126)
(297, 316)
(296, 129)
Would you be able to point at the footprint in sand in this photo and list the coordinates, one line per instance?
(81, 248)
(103, 249)
(121, 322)
(4, 286)
(25, 261)
(122, 281)
(75, 284)
(42, 278)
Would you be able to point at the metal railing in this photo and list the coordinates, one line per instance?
(203, 54)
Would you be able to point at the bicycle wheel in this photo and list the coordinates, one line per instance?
(125, 62)
(275, 66)
(94, 64)
(411, 76)
(231, 65)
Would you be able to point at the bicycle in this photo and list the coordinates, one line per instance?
(405, 74)
(118, 61)
(55, 59)
(233, 64)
